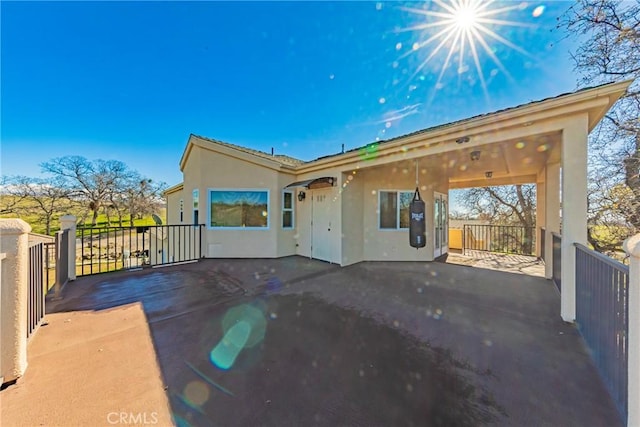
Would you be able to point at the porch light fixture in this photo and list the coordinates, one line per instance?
(301, 196)
(475, 155)
(488, 174)
(463, 139)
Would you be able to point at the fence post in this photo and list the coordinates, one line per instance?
(68, 222)
(14, 243)
(632, 248)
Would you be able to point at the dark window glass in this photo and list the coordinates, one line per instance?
(288, 200)
(287, 219)
(388, 209)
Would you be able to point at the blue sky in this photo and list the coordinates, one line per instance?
(131, 81)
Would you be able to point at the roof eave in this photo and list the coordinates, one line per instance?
(173, 189)
(212, 145)
(612, 91)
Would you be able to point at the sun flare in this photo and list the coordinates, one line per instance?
(469, 29)
(465, 17)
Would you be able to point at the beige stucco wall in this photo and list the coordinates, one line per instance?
(173, 207)
(352, 224)
(303, 224)
(355, 235)
(206, 170)
(287, 238)
(393, 245)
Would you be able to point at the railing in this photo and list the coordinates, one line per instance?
(120, 248)
(510, 239)
(35, 292)
(542, 243)
(556, 260)
(602, 314)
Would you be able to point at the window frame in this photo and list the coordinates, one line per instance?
(291, 209)
(397, 192)
(209, 210)
(195, 196)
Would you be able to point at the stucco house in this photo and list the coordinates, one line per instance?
(353, 206)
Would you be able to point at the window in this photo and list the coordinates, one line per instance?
(181, 210)
(287, 209)
(196, 203)
(394, 209)
(239, 209)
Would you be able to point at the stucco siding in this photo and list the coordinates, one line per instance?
(287, 238)
(352, 215)
(393, 245)
(208, 170)
(303, 224)
(173, 207)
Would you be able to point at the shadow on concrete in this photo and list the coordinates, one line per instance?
(370, 344)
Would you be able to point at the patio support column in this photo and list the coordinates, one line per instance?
(552, 213)
(14, 296)
(574, 208)
(540, 210)
(632, 248)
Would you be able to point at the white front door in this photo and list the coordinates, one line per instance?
(440, 224)
(322, 221)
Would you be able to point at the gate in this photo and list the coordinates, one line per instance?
(107, 249)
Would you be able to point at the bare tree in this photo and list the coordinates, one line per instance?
(46, 199)
(610, 50)
(93, 181)
(144, 197)
(10, 202)
(506, 205)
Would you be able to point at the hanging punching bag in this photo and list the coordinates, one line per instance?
(417, 228)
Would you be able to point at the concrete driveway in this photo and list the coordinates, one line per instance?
(293, 341)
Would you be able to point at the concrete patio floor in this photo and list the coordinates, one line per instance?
(511, 263)
(376, 343)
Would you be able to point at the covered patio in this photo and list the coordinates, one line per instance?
(384, 343)
(542, 143)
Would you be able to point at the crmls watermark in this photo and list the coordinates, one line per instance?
(138, 418)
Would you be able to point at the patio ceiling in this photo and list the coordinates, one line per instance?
(514, 161)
